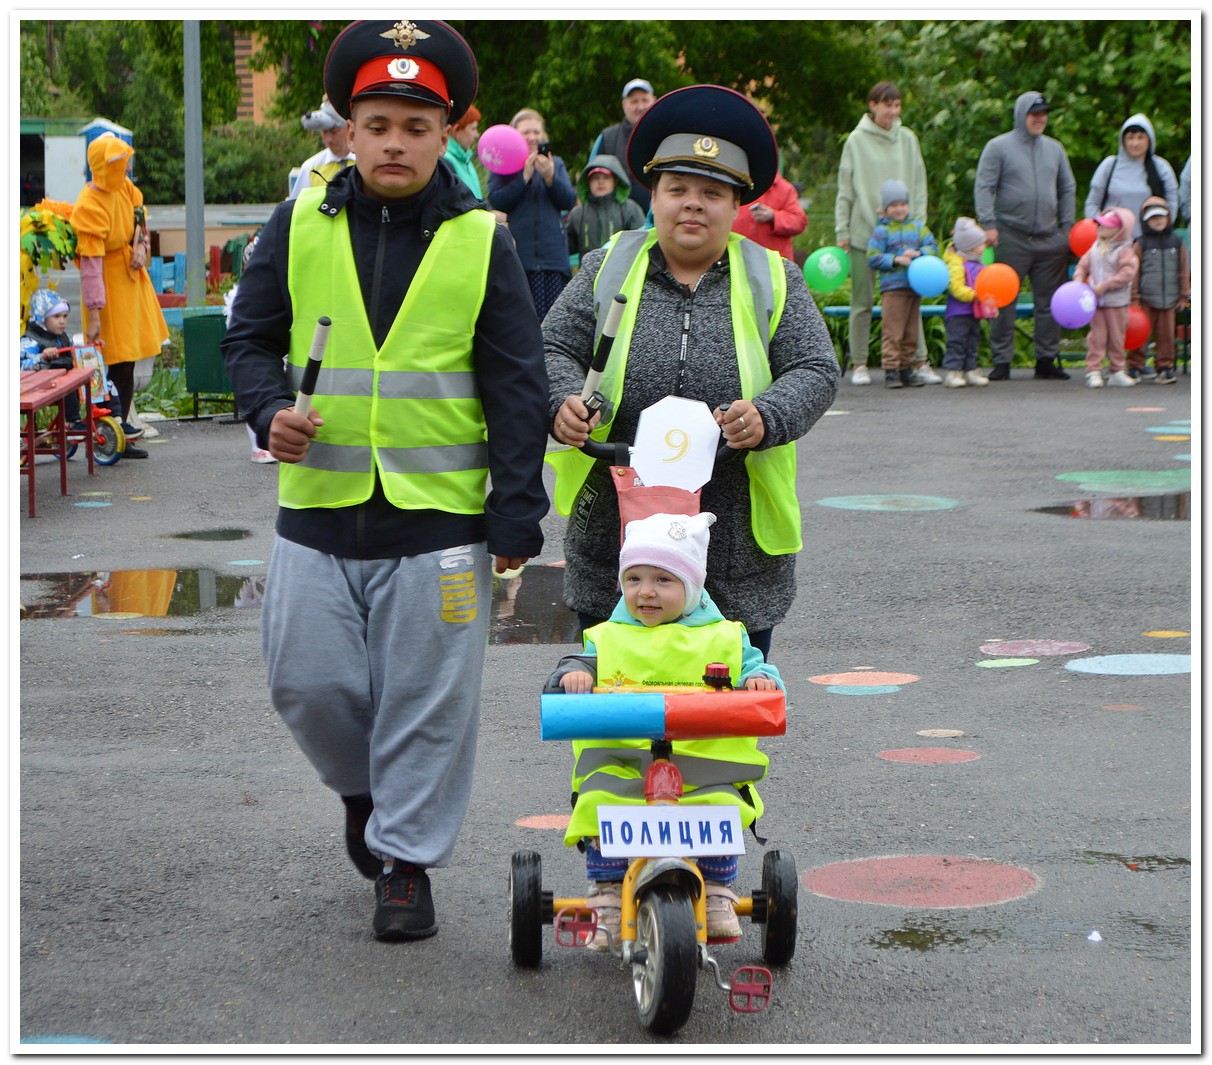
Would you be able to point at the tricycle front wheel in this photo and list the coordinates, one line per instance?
(781, 890)
(109, 441)
(665, 974)
(526, 909)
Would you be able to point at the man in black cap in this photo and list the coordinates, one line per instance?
(1025, 201)
(637, 98)
(709, 316)
(378, 597)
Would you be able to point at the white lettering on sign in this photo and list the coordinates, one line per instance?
(669, 831)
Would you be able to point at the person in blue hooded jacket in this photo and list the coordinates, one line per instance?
(1133, 174)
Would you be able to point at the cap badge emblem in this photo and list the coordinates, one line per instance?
(706, 148)
(403, 69)
(677, 531)
(404, 34)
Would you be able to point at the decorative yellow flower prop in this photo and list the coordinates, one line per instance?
(48, 242)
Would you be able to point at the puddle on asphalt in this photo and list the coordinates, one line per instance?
(212, 534)
(1173, 506)
(1146, 863)
(927, 937)
(525, 609)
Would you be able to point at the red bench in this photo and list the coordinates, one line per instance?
(41, 389)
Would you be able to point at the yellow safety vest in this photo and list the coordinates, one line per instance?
(713, 771)
(757, 295)
(410, 410)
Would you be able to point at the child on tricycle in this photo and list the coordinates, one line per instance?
(663, 631)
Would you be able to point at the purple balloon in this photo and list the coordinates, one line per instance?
(1074, 304)
(503, 150)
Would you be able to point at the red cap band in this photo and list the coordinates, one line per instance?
(394, 73)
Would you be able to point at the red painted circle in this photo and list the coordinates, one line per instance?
(544, 821)
(931, 881)
(929, 755)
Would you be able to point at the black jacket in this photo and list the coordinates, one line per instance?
(389, 241)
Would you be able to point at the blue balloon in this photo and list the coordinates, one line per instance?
(928, 275)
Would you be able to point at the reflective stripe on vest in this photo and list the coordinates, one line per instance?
(757, 295)
(410, 410)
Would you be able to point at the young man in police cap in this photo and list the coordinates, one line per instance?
(379, 590)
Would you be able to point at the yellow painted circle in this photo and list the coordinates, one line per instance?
(1166, 634)
(1172, 436)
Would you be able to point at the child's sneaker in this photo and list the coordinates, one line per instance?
(1094, 379)
(1165, 377)
(954, 379)
(860, 376)
(1119, 379)
(1146, 373)
(975, 377)
(925, 373)
(911, 379)
(723, 925)
(892, 379)
(130, 432)
(609, 903)
(262, 457)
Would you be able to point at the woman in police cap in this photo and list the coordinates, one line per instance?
(709, 316)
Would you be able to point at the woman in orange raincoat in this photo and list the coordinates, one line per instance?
(120, 305)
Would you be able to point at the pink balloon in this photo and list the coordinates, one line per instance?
(503, 150)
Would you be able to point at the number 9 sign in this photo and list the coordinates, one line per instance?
(675, 444)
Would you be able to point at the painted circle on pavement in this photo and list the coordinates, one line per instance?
(1006, 663)
(544, 821)
(862, 689)
(928, 755)
(1125, 481)
(1033, 647)
(940, 733)
(1132, 665)
(119, 615)
(92, 504)
(863, 679)
(1173, 437)
(930, 881)
(1145, 410)
(1166, 634)
(247, 562)
(1123, 706)
(888, 502)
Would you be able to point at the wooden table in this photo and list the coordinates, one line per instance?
(41, 389)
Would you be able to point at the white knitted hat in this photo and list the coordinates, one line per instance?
(673, 542)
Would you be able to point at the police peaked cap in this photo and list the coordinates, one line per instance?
(422, 60)
(707, 130)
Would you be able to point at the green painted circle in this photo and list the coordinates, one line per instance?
(1000, 663)
(888, 502)
(1125, 480)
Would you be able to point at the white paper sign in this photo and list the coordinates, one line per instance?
(669, 831)
(675, 443)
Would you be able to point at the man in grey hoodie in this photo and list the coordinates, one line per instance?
(1025, 201)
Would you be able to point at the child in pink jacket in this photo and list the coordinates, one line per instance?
(1109, 268)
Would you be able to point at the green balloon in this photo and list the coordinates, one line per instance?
(827, 268)
(987, 257)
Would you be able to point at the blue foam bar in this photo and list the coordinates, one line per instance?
(634, 715)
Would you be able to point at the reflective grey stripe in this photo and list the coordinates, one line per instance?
(337, 458)
(757, 270)
(612, 273)
(695, 770)
(453, 458)
(634, 789)
(334, 382)
(411, 384)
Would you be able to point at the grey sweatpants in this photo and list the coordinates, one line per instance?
(376, 668)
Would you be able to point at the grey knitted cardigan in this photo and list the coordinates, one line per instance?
(747, 584)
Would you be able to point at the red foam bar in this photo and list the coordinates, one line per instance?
(715, 715)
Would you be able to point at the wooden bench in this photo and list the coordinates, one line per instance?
(41, 389)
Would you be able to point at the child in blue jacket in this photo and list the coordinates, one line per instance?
(896, 241)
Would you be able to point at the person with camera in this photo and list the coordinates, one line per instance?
(534, 201)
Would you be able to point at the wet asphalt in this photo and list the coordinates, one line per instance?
(182, 873)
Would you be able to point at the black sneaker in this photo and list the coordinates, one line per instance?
(130, 432)
(1165, 377)
(1001, 372)
(911, 380)
(358, 809)
(892, 379)
(404, 905)
(130, 452)
(1134, 374)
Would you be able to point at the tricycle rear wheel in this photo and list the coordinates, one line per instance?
(526, 909)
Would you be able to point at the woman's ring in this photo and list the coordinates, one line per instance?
(741, 420)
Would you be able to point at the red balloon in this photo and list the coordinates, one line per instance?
(1138, 329)
(999, 281)
(1082, 236)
